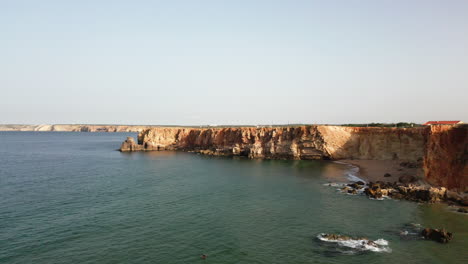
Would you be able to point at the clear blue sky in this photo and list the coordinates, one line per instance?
(233, 62)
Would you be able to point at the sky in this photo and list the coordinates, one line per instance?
(233, 62)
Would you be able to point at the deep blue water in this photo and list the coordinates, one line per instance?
(72, 198)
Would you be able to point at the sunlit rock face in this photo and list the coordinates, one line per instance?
(445, 160)
(304, 142)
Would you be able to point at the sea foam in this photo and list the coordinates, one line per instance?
(352, 173)
(379, 245)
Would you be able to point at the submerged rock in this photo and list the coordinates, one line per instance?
(439, 235)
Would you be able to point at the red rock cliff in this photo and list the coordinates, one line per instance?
(445, 159)
(304, 142)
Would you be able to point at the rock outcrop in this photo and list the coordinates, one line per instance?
(412, 192)
(439, 235)
(446, 155)
(130, 145)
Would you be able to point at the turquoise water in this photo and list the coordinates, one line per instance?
(72, 198)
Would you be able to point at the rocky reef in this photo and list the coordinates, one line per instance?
(303, 142)
(405, 191)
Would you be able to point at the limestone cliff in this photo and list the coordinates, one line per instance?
(445, 160)
(304, 142)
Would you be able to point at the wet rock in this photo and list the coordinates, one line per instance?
(352, 191)
(385, 192)
(406, 179)
(356, 185)
(345, 189)
(462, 210)
(423, 194)
(397, 195)
(408, 164)
(385, 185)
(387, 175)
(439, 235)
(374, 192)
(458, 198)
(453, 196)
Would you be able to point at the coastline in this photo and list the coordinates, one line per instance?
(374, 170)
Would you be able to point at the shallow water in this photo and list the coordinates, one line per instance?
(71, 198)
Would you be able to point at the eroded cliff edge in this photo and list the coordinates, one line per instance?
(305, 142)
(446, 155)
(442, 150)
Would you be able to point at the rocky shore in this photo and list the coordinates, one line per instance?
(411, 192)
(433, 154)
(405, 182)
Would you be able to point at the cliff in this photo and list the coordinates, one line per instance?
(304, 142)
(443, 149)
(445, 159)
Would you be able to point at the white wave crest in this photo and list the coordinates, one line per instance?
(352, 173)
(335, 184)
(379, 245)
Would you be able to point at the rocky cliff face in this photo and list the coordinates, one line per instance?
(305, 142)
(445, 159)
(442, 148)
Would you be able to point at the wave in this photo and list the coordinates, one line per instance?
(352, 173)
(358, 244)
(335, 184)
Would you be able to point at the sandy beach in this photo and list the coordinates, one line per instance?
(374, 170)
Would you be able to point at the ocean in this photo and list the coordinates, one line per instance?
(70, 197)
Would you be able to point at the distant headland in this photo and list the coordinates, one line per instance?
(75, 128)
